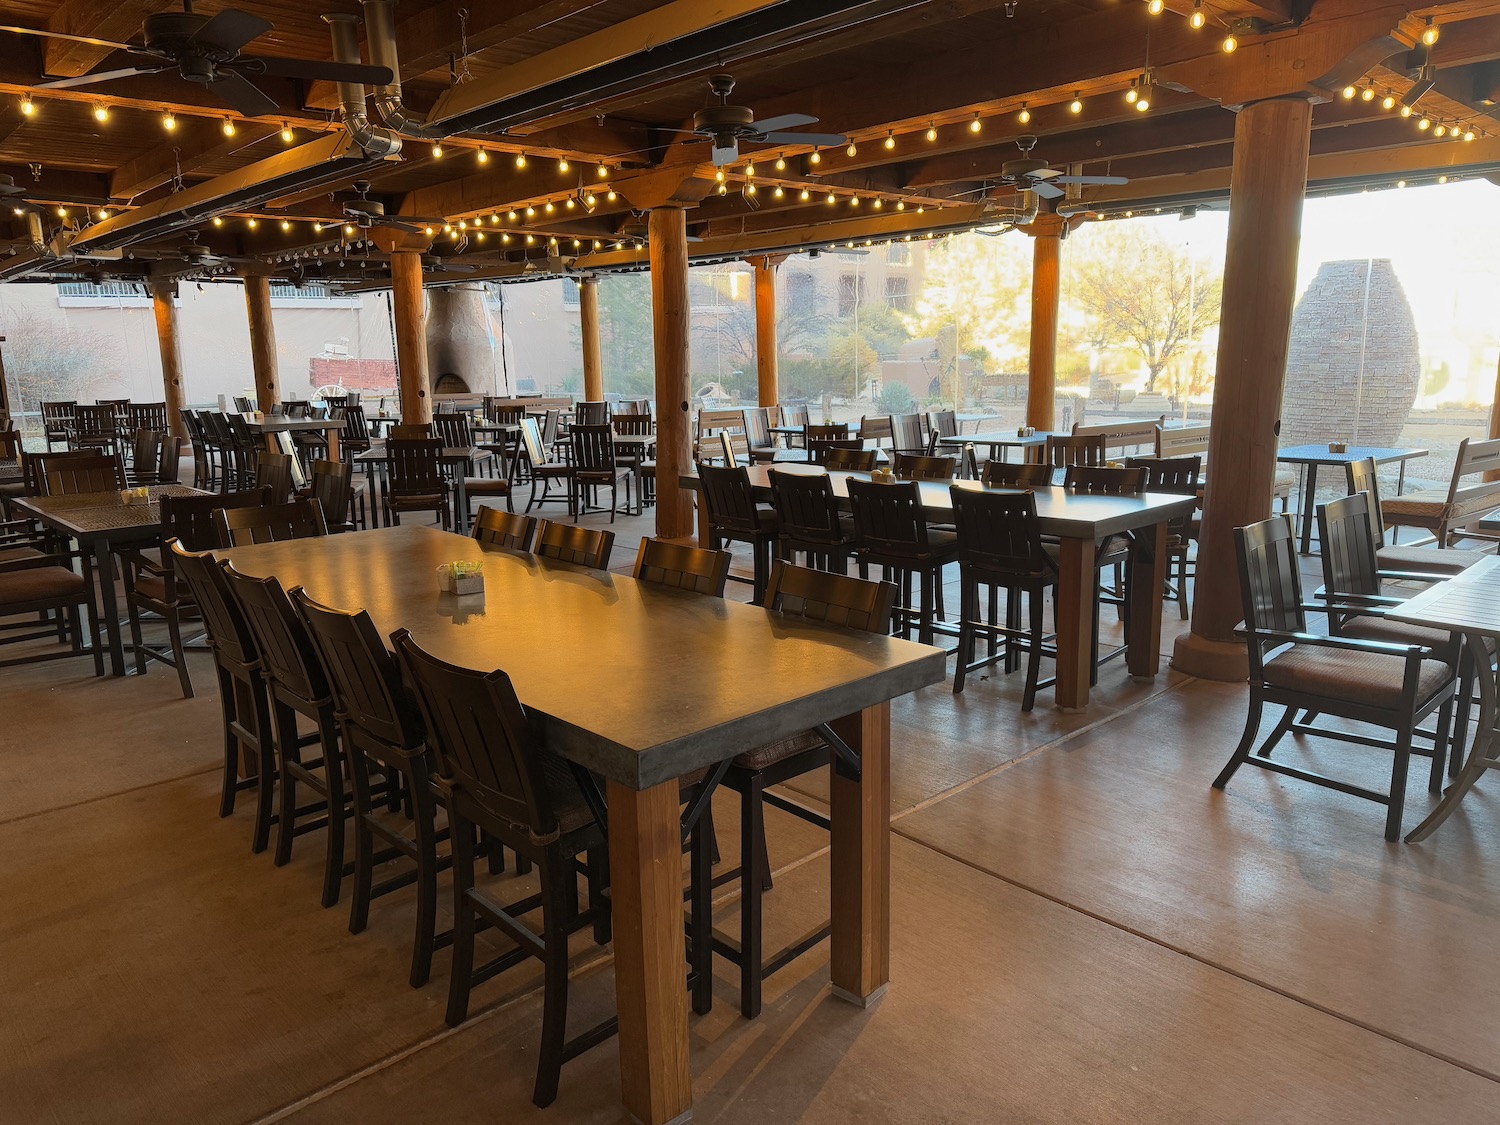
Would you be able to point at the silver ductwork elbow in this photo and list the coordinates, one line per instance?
(374, 140)
(1016, 216)
(35, 233)
(380, 33)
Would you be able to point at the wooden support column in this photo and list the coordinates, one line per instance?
(1266, 190)
(588, 325)
(262, 341)
(162, 295)
(669, 316)
(1047, 232)
(768, 375)
(1493, 474)
(411, 336)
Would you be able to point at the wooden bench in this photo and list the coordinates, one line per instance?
(1451, 513)
(1192, 441)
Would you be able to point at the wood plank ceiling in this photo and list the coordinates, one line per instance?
(933, 96)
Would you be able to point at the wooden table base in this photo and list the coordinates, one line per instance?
(860, 859)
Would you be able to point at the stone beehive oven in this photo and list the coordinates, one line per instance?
(1352, 369)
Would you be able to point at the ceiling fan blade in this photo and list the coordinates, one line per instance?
(1045, 173)
(785, 121)
(821, 140)
(394, 224)
(60, 35)
(99, 76)
(234, 88)
(314, 69)
(1090, 180)
(230, 30)
(1047, 191)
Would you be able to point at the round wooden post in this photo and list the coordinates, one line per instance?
(588, 325)
(768, 377)
(262, 341)
(411, 336)
(162, 295)
(1267, 185)
(669, 315)
(1046, 262)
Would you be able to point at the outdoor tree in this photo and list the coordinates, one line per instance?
(1142, 291)
(45, 360)
(626, 342)
(730, 328)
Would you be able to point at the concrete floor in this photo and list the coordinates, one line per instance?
(1083, 932)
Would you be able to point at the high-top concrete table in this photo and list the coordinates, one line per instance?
(1309, 457)
(268, 424)
(643, 685)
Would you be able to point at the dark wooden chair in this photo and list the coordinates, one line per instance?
(273, 472)
(581, 546)
(298, 685)
(1114, 551)
(89, 471)
(734, 516)
(416, 482)
(244, 699)
(1000, 548)
(354, 438)
(815, 437)
(1019, 474)
(453, 429)
(1387, 685)
(382, 732)
(241, 449)
(495, 528)
(544, 468)
(168, 460)
(1362, 478)
(890, 531)
(917, 466)
(1178, 475)
(95, 426)
(809, 522)
(906, 435)
(270, 523)
(411, 431)
(145, 448)
(594, 467)
(639, 459)
(332, 486)
(38, 584)
(591, 414)
(813, 595)
(153, 586)
(875, 428)
(844, 456)
(682, 567)
(940, 424)
(758, 436)
(57, 421)
(496, 774)
(146, 416)
(1087, 451)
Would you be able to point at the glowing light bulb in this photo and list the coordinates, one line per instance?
(101, 112)
(749, 189)
(531, 240)
(974, 125)
(286, 224)
(62, 212)
(1024, 117)
(1406, 111)
(549, 208)
(832, 199)
(1425, 123)
(1349, 93)
(430, 232)
(482, 156)
(1388, 102)
(780, 192)
(610, 195)
(1076, 105)
(1440, 131)
(28, 107)
(877, 204)
(1469, 134)
(437, 152)
(781, 164)
(1400, 183)
(932, 131)
(890, 140)
(805, 196)
(253, 223)
(520, 160)
(719, 175)
(562, 165)
(228, 127)
(103, 213)
(1430, 33)
(1155, 7)
(287, 136)
(900, 205)
(218, 221)
(815, 157)
(1197, 19)
(852, 150)
(723, 189)
(530, 212)
(854, 201)
(749, 169)
(571, 203)
(511, 215)
(1367, 94)
(1143, 104)
(603, 170)
(590, 199)
(1132, 94)
(169, 121)
(1229, 45)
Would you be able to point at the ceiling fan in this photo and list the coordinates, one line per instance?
(436, 263)
(206, 50)
(196, 254)
(635, 229)
(1031, 174)
(365, 212)
(727, 125)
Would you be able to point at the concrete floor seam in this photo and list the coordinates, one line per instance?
(34, 813)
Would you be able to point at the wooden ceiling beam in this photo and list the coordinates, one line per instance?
(59, 185)
(430, 36)
(195, 143)
(118, 20)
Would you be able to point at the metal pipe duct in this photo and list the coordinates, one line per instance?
(380, 33)
(1016, 216)
(351, 113)
(34, 231)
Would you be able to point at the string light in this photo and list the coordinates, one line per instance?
(832, 199)
(562, 165)
(749, 169)
(1442, 179)
(590, 199)
(781, 164)
(1440, 131)
(218, 221)
(719, 175)
(1155, 7)
(495, 219)
(531, 240)
(931, 131)
(570, 203)
(806, 195)
(1349, 93)
(253, 223)
(1406, 111)
(482, 156)
(890, 139)
(852, 150)
(287, 136)
(286, 224)
(1388, 102)
(447, 228)
(974, 125)
(854, 201)
(430, 232)
(511, 215)
(900, 205)
(877, 204)
(28, 107)
(463, 224)
(1076, 105)
(101, 112)
(1425, 123)
(505, 238)
(1132, 94)
(1197, 19)
(815, 157)
(723, 189)
(62, 212)
(749, 188)
(103, 213)
(1468, 134)
(549, 208)
(1368, 93)
(1430, 33)
(611, 196)
(437, 151)
(780, 192)
(520, 160)
(1024, 117)
(1229, 45)
(228, 127)
(530, 211)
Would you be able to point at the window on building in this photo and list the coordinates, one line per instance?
(570, 293)
(896, 295)
(851, 293)
(801, 294)
(900, 254)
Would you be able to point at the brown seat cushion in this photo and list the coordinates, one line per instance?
(1397, 632)
(42, 583)
(778, 751)
(1428, 504)
(486, 486)
(20, 554)
(1371, 678)
(1427, 560)
(154, 586)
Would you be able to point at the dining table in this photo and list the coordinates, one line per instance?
(269, 424)
(101, 523)
(459, 460)
(642, 685)
(1081, 522)
(997, 442)
(1309, 458)
(1469, 604)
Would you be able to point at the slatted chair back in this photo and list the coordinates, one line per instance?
(82, 474)
(273, 472)
(243, 404)
(729, 498)
(637, 425)
(794, 415)
(34, 467)
(1060, 452)
(806, 507)
(216, 428)
(281, 637)
(271, 523)
(906, 434)
(845, 456)
(355, 436)
(10, 445)
(335, 402)
(95, 424)
(999, 534)
(1468, 503)
(495, 527)
(551, 424)
(1018, 474)
(144, 449)
(1270, 579)
(1171, 474)
(333, 489)
(682, 567)
(832, 599)
(888, 518)
(537, 449)
(581, 546)
(591, 414)
(1105, 481)
(757, 424)
(508, 415)
(454, 430)
(240, 434)
(193, 522)
(416, 466)
(1182, 441)
(915, 466)
(1121, 438)
(411, 431)
(639, 406)
(485, 748)
(1362, 478)
(710, 422)
(298, 408)
(227, 630)
(168, 459)
(57, 417)
(593, 449)
(831, 431)
(1347, 535)
(363, 676)
(146, 416)
(940, 424)
(875, 427)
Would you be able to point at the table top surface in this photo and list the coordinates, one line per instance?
(1069, 515)
(1320, 454)
(1467, 602)
(85, 515)
(10, 472)
(639, 682)
(279, 423)
(997, 439)
(454, 454)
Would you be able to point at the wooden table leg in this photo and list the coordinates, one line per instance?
(860, 860)
(645, 856)
(104, 575)
(1075, 622)
(333, 443)
(1144, 585)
